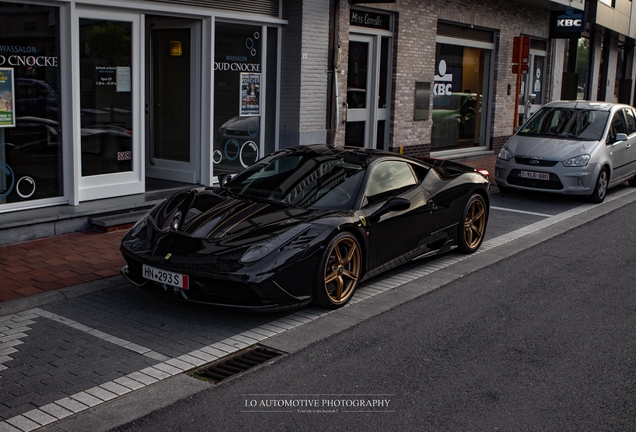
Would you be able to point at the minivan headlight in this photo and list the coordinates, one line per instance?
(578, 161)
(504, 154)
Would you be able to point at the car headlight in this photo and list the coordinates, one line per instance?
(578, 161)
(137, 227)
(175, 224)
(504, 154)
(261, 250)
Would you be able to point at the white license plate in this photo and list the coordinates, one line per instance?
(166, 277)
(534, 175)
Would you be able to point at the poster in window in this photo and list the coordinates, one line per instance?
(7, 104)
(250, 94)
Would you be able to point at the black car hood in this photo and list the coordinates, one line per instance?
(227, 221)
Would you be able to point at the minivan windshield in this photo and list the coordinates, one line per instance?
(582, 124)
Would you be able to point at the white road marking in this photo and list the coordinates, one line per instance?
(521, 211)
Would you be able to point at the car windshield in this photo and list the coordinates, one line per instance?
(583, 124)
(301, 180)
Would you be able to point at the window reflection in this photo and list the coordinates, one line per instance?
(30, 138)
(237, 96)
(457, 96)
(106, 96)
(387, 179)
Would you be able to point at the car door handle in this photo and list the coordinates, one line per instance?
(628, 146)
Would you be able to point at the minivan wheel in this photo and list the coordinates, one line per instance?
(600, 190)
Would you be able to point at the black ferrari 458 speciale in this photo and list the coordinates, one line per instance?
(305, 225)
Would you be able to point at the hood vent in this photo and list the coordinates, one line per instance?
(237, 364)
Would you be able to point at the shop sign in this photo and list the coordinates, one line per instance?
(23, 55)
(568, 23)
(106, 76)
(443, 83)
(237, 67)
(250, 94)
(369, 19)
(7, 103)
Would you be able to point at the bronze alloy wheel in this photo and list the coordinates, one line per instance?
(474, 224)
(341, 270)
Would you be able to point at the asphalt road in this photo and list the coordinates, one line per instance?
(542, 340)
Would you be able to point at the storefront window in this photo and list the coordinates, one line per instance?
(30, 134)
(457, 96)
(106, 96)
(237, 97)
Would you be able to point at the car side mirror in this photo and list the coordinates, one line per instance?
(393, 204)
(621, 137)
(516, 129)
(223, 179)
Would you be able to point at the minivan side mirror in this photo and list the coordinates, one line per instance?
(621, 137)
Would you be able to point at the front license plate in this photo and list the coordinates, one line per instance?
(166, 277)
(534, 175)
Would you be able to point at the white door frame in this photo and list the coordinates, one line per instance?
(115, 184)
(187, 172)
(525, 108)
(369, 113)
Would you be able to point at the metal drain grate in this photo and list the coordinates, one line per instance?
(237, 364)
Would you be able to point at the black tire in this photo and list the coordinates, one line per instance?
(472, 225)
(600, 189)
(632, 181)
(338, 272)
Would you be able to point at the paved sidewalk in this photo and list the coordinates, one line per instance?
(57, 262)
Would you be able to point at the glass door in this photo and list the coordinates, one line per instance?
(109, 85)
(531, 93)
(361, 91)
(368, 89)
(173, 104)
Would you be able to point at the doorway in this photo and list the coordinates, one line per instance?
(173, 104)
(531, 93)
(368, 91)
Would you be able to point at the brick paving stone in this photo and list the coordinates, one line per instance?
(56, 410)
(39, 271)
(17, 269)
(88, 277)
(46, 278)
(58, 268)
(58, 255)
(107, 273)
(38, 264)
(56, 261)
(49, 286)
(7, 295)
(18, 277)
(23, 423)
(27, 291)
(66, 274)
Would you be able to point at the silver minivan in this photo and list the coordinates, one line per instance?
(571, 147)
